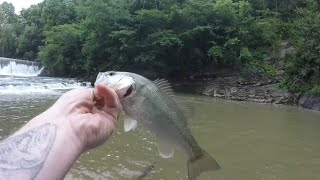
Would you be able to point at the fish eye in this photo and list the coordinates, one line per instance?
(112, 73)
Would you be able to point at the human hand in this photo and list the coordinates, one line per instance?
(84, 117)
(91, 114)
(80, 120)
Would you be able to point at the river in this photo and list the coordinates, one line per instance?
(250, 141)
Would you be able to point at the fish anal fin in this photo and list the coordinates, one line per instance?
(203, 163)
(166, 150)
(129, 124)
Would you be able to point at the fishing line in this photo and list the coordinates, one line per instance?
(146, 171)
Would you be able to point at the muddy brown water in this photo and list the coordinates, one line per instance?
(250, 141)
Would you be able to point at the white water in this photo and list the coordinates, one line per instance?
(21, 77)
(37, 85)
(15, 67)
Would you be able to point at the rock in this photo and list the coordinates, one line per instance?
(235, 86)
(258, 84)
(310, 102)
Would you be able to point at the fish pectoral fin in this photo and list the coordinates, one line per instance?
(165, 149)
(130, 124)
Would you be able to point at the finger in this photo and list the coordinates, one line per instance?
(106, 94)
(108, 98)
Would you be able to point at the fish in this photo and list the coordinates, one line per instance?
(153, 105)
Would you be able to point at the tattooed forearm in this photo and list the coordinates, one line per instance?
(22, 156)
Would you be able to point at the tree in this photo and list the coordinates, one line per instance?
(62, 51)
(7, 13)
(7, 41)
(31, 36)
(303, 67)
(59, 12)
(167, 37)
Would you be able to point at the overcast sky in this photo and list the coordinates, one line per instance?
(21, 4)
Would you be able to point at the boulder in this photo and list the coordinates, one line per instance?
(310, 102)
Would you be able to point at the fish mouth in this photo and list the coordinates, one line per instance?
(129, 91)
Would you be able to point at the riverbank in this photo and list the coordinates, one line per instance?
(239, 87)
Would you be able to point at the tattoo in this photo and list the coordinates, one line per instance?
(22, 156)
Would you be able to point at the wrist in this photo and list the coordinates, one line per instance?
(68, 127)
(66, 149)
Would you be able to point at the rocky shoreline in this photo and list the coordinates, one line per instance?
(310, 102)
(252, 88)
(239, 87)
(242, 87)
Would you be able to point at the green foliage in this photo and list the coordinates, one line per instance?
(314, 90)
(8, 33)
(303, 67)
(28, 42)
(59, 12)
(7, 41)
(7, 13)
(62, 51)
(270, 70)
(167, 37)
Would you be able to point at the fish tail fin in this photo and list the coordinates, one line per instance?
(202, 163)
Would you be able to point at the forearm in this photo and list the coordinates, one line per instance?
(48, 145)
(40, 150)
(63, 154)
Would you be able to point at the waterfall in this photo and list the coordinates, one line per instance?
(16, 67)
(20, 77)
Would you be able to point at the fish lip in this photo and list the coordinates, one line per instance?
(99, 79)
(129, 91)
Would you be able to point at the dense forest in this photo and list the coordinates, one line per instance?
(168, 37)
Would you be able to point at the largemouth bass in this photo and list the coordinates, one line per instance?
(153, 105)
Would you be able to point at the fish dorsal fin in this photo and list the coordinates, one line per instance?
(185, 108)
(164, 86)
(166, 150)
(129, 124)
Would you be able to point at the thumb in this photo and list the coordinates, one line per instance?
(108, 99)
